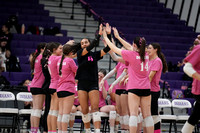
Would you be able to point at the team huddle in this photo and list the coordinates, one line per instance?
(66, 87)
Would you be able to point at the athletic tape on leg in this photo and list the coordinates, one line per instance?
(126, 119)
(117, 117)
(86, 118)
(59, 119)
(121, 120)
(32, 112)
(112, 115)
(65, 118)
(156, 119)
(37, 113)
(55, 113)
(133, 121)
(50, 112)
(96, 116)
(72, 116)
(148, 121)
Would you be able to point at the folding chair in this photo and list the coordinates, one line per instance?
(167, 118)
(6, 96)
(24, 97)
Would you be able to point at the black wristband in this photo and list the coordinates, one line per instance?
(106, 49)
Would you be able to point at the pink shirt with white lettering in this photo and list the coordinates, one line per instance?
(120, 68)
(38, 78)
(67, 79)
(194, 59)
(52, 66)
(155, 65)
(101, 99)
(137, 70)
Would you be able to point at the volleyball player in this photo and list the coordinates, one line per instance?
(87, 76)
(192, 69)
(36, 88)
(157, 65)
(138, 85)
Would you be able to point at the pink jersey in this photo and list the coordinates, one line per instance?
(155, 65)
(120, 68)
(101, 99)
(52, 66)
(67, 79)
(76, 101)
(137, 70)
(38, 78)
(194, 59)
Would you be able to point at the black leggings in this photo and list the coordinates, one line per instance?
(154, 102)
(195, 116)
(46, 111)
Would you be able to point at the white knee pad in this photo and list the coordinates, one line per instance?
(140, 118)
(187, 128)
(126, 119)
(72, 116)
(50, 112)
(59, 119)
(148, 121)
(65, 118)
(156, 119)
(32, 112)
(121, 120)
(133, 121)
(117, 117)
(96, 116)
(86, 118)
(37, 113)
(112, 115)
(55, 113)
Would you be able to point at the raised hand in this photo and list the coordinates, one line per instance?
(110, 89)
(70, 42)
(108, 28)
(116, 34)
(100, 29)
(113, 41)
(104, 33)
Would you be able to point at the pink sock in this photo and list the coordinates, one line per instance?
(53, 131)
(32, 129)
(157, 131)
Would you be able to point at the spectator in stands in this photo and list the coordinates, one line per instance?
(192, 69)
(27, 105)
(138, 85)
(6, 33)
(12, 63)
(157, 65)
(87, 76)
(3, 50)
(3, 80)
(66, 86)
(110, 109)
(14, 26)
(38, 93)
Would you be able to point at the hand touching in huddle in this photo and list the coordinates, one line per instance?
(116, 33)
(100, 29)
(108, 28)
